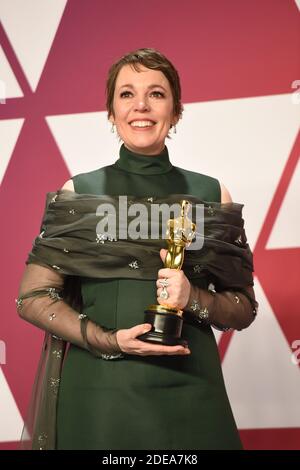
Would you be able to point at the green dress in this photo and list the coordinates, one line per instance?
(149, 402)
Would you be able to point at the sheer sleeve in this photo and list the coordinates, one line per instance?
(46, 299)
(224, 310)
(41, 303)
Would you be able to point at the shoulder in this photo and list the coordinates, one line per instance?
(85, 182)
(200, 178)
(68, 185)
(192, 174)
(225, 194)
(82, 176)
(204, 186)
(195, 177)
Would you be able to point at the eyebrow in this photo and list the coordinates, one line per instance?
(128, 85)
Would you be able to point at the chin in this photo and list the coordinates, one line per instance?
(146, 145)
(148, 149)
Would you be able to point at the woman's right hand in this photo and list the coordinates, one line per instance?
(128, 343)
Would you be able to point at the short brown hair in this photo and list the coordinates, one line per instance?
(152, 59)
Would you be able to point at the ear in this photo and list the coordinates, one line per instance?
(175, 120)
(111, 119)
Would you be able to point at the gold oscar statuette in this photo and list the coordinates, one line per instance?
(165, 319)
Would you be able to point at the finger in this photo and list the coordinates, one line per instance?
(169, 290)
(162, 349)
(178, 352)
(185, 352)
(167, 272)
(144, 348)
(163, 253)
(140, 329)
(165, 302)
(158, 282)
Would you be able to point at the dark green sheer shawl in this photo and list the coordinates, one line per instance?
(71, 244)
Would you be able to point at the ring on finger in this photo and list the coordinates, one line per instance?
(164, 282)
(164, 293)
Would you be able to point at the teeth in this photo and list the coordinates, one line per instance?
(142, 123)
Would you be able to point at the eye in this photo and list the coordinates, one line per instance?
(158, 93)
(125, 93)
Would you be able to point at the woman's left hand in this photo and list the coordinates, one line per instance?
(178, 287)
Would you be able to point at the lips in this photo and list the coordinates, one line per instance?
(136, 122)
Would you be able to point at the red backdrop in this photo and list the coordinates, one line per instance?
(237, 56)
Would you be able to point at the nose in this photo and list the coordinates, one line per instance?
(141, 104)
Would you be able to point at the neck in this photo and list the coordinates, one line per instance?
(145, 150)
(140, 163)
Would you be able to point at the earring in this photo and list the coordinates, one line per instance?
(112, 127)
(174, 130)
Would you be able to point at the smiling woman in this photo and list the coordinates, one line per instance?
(143, 100)
(143, 110)
(109, 389)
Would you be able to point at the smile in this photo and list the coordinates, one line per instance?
(142, 124)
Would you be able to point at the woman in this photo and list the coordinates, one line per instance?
(138, 395)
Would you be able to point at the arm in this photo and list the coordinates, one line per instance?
(45, 309)
(227, 309)
(238, 309)
(224, 310)
(69, 185)
(40, 303)
(225, 195)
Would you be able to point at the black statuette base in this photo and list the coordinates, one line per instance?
(166, 329)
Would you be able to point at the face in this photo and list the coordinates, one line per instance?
(143, 109)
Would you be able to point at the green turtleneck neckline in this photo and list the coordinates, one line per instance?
(143, 164)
